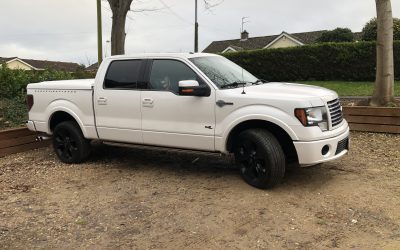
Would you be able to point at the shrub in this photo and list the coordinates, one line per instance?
(13, 112)
(327, 61)
(369, 32)
(336, 36)
(13, 90)
(14, 82)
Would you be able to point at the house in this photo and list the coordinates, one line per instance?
(92, 68)
(30, 64)
(282, 40)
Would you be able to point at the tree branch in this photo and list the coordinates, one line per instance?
(211, 4)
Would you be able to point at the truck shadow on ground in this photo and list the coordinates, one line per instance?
(200, 166)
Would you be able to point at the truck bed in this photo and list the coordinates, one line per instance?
(66, 84)
(72, 96)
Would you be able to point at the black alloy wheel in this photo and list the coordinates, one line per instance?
(69, 143)
(260, 158)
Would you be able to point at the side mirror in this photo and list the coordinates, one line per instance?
(193, 88)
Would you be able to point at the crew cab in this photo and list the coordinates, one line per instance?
(192, 101)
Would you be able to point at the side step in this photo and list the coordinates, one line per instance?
(158, 148)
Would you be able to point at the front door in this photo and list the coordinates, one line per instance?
(171, 120)
(117, 102)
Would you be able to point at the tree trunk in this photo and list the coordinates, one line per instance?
(384, 83)
(120, 10)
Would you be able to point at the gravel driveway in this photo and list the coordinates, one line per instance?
(126, 198)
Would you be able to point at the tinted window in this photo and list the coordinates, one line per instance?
(166, 74)
(123, 74)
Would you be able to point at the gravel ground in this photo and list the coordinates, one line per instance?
(125, 198)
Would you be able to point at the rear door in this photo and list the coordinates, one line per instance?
(117, 103)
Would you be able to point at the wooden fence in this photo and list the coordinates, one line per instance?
(19, 140)
(370, 119)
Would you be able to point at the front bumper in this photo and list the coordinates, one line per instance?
(311, 153)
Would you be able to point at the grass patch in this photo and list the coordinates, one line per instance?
(351, 88)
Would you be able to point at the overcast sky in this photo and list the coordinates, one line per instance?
(66, 30)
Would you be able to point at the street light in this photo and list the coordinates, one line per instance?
(196, 30)
(106, 49)
(99, 34)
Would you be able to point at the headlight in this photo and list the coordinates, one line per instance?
(313, 117)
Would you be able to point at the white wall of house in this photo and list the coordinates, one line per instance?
(18, 65)
(283, 42)
(229, 49)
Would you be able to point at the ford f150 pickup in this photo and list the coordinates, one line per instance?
(197, 102)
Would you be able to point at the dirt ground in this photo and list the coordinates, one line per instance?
(130, 198)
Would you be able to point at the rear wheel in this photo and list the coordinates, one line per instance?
(260, 158)
(69, 143)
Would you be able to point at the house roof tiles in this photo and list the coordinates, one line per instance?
(44, 64)
(261, 42)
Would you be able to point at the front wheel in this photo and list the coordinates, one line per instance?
(260, 158)
(69, 143)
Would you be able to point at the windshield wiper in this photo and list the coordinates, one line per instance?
(234, 84)
(260, 81)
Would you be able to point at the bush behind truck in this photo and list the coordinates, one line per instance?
(13, 82)
(321, 62)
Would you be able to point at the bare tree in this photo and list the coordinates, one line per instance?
(209, 4)
(119, 10)
(384, 83)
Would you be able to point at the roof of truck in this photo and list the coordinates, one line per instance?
(162, 55)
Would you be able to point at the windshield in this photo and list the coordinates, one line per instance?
(222, 71)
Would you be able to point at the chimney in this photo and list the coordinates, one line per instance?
(244, 35)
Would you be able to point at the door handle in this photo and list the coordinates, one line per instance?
(148, 102)
(102, 101)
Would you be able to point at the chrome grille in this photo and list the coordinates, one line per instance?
(335, 111)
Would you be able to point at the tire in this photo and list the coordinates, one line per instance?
(260, 158)
(69, 143)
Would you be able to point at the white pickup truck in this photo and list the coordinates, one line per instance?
(197, 102)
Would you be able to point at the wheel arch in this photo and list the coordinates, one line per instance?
(284, 138)
(61, 115)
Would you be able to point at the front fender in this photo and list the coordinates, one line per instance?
(253, 112)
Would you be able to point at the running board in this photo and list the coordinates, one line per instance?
(159, 148)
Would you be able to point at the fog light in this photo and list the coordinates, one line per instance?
(325, 150)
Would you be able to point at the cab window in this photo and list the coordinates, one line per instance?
(166, 74)
(123, 74)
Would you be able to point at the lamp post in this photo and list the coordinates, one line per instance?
(99, 34)
(106, 49)
(196, 30)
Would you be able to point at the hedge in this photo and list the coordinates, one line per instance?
(321, 62)
(13, 111)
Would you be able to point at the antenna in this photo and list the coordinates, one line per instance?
(244, 20)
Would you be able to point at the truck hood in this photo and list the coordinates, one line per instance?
(83, 84)
(276, 94)
(289, 91)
